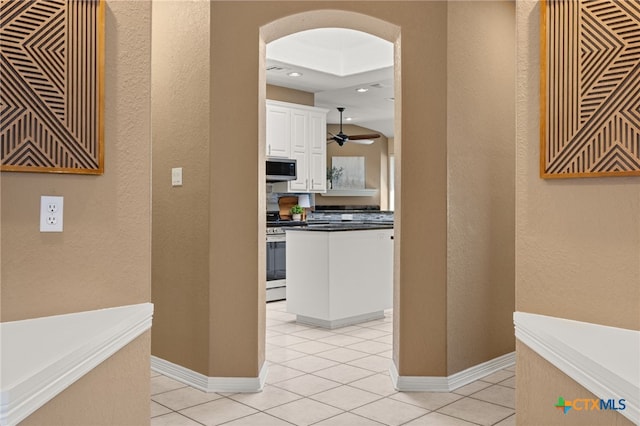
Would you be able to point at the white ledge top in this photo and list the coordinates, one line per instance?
(41, 357)
(605, 360)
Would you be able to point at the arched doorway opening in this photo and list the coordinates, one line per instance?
(327, 19)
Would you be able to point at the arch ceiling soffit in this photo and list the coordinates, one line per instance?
(329, 18)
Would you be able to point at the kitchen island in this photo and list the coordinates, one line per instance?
(339, 274)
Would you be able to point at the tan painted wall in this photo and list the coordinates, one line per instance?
(480, 151)
(235, 27)
(103, 257)
(284, 94)
(181, 137)
(237, 253)
(236, 187)
(542, 384)
(585, 232)
(579, 238)
(91, 400)
(375, 157)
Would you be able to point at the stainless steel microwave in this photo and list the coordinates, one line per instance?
(281, 169)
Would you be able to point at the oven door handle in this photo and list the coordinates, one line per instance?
(273, 238)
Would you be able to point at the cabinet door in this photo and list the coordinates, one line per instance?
(301, 184)
(278, 131)
(317, 151)
(317, 172)
(299, 130)
(299, 149)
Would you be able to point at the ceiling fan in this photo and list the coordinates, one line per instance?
(341, 138)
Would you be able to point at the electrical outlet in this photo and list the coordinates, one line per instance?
(51, 209)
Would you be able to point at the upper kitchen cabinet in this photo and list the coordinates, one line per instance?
(306, 138)
(278, 131)
(318, 151)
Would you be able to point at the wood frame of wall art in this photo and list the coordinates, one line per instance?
(589, 85)
(52, 91)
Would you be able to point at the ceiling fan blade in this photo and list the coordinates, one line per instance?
(361, 141)
(369, 136)
(341, 138)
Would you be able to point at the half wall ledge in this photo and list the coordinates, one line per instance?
(41, 357)
(602, 359)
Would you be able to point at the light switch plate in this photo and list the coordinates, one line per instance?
(176, 176)
(51, 213)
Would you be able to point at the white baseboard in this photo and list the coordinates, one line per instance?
(342, 322)
(209, 384)
(452, 382)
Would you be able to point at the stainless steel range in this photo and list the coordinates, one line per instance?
(276, 256)
(276, 264)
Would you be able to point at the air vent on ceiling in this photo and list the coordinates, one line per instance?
(380, 86)
(276, 68)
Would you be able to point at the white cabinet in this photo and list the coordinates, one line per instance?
(299, 129)
(299, 149)
(301, 184)
(278, 131)
(304, 129)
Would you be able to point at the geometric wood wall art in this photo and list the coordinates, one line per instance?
(51, 86)
(590, 88)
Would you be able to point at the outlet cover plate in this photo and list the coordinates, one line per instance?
(51, 209)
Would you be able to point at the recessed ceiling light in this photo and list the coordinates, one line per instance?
(362, 89)
(295, 74)
(348, 119)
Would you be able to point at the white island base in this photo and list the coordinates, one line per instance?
(341, 322)
(339, 278)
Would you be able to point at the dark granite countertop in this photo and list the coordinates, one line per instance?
(343, 226)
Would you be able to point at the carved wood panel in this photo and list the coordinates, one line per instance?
(51, 90)
(590, 88)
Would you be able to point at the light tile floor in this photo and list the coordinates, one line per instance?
(333, 378)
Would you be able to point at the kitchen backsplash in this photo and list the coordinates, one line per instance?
(357, 213)
(359, 216)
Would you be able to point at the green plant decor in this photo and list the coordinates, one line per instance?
(334, 173)
(296, 209)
